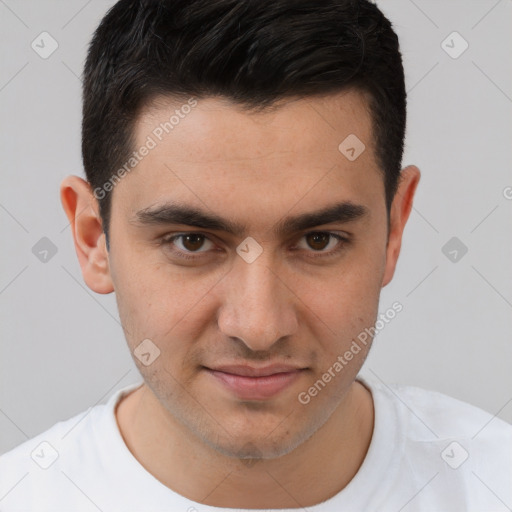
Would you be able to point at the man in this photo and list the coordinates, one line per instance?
(245, 201)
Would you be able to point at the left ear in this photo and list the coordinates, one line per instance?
(400, 210)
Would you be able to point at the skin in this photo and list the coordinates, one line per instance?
(287, 306)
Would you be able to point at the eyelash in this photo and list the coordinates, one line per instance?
(168, 241)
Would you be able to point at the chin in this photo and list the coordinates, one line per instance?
(254, 444)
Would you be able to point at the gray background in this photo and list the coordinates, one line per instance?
(62, 348)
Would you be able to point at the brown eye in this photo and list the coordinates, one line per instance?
(192, 242)
(323, 243)
(318, 241)
(188, 243)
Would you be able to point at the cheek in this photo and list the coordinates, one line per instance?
(345, 306)
(353, 288)
(159, 301)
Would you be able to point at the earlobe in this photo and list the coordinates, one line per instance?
(82, 211)
(400, 211)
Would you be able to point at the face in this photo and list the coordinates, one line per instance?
(296, 293)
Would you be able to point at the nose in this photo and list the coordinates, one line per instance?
(258, 305)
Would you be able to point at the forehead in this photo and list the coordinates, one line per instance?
(206, 151)
(215, 126)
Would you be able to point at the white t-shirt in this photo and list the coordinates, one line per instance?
(428, 452)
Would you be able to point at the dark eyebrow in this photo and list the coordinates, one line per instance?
(172, 213)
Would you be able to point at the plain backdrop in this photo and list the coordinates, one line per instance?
(62, 347)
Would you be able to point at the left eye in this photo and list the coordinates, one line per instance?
(320, 240)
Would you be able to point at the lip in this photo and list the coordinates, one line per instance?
(251, 383)
(252, 371)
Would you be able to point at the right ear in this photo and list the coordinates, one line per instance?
(82, 210)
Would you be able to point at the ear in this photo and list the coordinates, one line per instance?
(82, 210)
(399, 213)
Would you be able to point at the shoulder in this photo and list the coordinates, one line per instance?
(27, 453)
(38, 462)
(40, 469)
(446, 416)
(457, 450)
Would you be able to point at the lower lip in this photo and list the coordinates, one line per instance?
(256, 388)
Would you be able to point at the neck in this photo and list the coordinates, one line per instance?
(315, 471)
